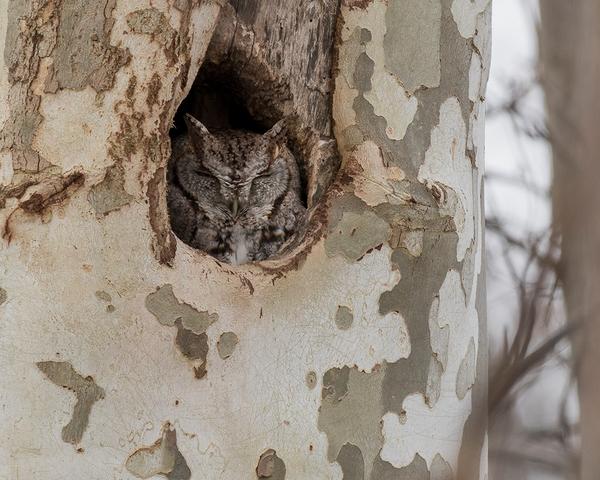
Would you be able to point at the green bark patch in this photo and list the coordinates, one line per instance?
(194, 347)
(105, 297)
(85, 389)
(441, 469)
(191, 345)
(3, 296)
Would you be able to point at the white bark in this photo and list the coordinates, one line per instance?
(363, 357)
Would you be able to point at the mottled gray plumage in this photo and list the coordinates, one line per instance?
(234, 194)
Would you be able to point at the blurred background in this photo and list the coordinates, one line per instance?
(543, 240)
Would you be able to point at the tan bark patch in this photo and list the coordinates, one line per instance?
(162, 458)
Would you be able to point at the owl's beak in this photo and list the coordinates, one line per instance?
(235, 207)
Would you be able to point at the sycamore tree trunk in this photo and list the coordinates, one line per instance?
(571, 74)
(126, 354)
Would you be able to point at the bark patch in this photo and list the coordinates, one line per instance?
(383, 470)
(441, 469)
(47, 190)
(227, 344)
(110, 194)
(3, 296)
(191, 339)
(311, 380)
(352, 462)
(416, 25)
(361, 4)
(104, 296)
(52, 192)
(194, 347)
(466, 372)
(356, 234)
(150, 21)
(167, 309)
(37, 194)
(344, 318)
(85, 389)
(30, 34)
(163, 242)
(83, 55)
(415, 297)
(270, 466)
(161, 458)
(343, 416)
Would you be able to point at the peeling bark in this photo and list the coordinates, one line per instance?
(335, 362)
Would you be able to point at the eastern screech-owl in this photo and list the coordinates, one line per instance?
(234, 194)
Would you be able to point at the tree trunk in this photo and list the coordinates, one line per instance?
(361, 355)
(571, 75)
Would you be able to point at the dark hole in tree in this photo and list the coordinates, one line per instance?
(215, 100)
(218, 99)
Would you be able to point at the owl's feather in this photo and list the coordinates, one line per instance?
(234, 194)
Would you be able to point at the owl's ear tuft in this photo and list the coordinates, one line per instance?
(199, 134)
(279, 132)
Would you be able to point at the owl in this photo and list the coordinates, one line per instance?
(234, 194)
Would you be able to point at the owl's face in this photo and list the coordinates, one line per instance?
(238, 176)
